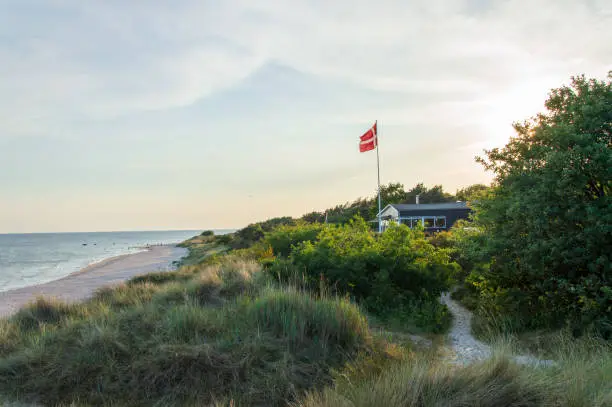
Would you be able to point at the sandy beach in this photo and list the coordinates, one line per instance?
(82, 284)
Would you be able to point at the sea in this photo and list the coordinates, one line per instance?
(36, 258)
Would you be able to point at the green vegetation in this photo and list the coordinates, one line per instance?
(298, 312)
(398, 272)
(224, 334)
(392, 193)
(283, 239)
(581, 378)
(204, 246)
(255, 232)
(544, 241)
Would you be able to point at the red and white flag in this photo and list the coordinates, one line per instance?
(369, 140)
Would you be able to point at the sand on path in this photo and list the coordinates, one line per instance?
(466, 348)
(81, 285)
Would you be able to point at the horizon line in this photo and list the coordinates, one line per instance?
(116, 231)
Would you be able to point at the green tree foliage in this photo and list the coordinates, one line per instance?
(341, 214)
(547, 224)
(392, 193)
(314, 217)
(383, 272)
(471, 193)
(434, 194)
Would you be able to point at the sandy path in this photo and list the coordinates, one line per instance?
(80, 285)
(468, 349)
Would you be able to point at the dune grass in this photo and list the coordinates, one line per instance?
(581, 378)
(201, 248)
(197, 336)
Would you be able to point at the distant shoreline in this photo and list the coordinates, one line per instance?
(83, 283)
(111, 260)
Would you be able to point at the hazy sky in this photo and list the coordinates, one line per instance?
(121, 115)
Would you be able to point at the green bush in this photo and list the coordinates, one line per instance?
(255, 232)
(284, 238)
(384, 272)
(224, 239)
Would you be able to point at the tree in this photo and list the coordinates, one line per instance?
(434, 195)
(390, 194)
(471, 193)
(314, 217)
(548, 219)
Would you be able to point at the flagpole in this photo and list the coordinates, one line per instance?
(378, 168)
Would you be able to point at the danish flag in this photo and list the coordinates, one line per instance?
(369, 140)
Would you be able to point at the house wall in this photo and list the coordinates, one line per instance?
(390, 211)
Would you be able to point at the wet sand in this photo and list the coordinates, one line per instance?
(82, 284)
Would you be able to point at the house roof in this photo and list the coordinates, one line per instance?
(420, 207)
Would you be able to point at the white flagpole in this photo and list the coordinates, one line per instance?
(378, 167)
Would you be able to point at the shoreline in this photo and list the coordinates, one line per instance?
(103, 262)
(81, 284)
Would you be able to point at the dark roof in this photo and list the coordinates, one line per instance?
(420, 207)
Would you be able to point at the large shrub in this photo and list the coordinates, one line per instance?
(547, 224)
(255, 232)
(382, 272)
(285, 237)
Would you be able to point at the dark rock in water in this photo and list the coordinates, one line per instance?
(84, 244)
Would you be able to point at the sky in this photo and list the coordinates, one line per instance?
(197, 114)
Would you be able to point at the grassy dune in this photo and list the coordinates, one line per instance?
(201, 248)
(197, 336)
(582, 377)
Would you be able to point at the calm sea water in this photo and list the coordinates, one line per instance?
(30, 259)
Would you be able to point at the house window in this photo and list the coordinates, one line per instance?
(412, 221)
(429, 221)
(441, 221)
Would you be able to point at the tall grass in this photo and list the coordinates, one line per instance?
(581, 377)
(222, 334)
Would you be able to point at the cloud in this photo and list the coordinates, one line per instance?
(243, 94)
(422, 41)
(104, 59)
(85, 64)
